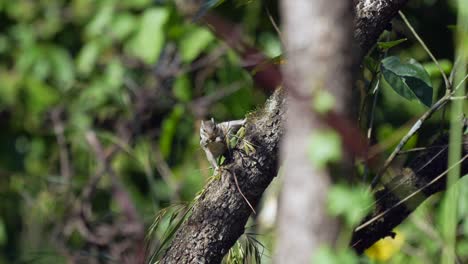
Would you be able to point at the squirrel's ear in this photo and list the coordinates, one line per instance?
(212, 120)
(202, 124)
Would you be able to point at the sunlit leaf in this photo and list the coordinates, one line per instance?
(169, 127)
(101, 20)
(149, 40)
(434, 71)
(87, 57)
(270, 44)
(182, 89)
(123, 25)
(194, 42)
(114, 74)
(390, 44)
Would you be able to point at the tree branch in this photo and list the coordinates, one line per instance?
(219, 216)
(423, 177)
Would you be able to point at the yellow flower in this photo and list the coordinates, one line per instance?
(385, 248)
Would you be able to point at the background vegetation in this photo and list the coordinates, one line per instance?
(99, 110)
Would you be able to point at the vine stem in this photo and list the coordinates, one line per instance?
(446, 80)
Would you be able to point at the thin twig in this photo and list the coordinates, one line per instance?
(446, 98)
(459, 97)
(454, 70)
(461, 82)
(275, 26)
(374, 103)
(371, 123)
(419, 149)
(375, 91)
(447, 82)
(241, 193)
(377, 217)
(65, 166)
(405, 139)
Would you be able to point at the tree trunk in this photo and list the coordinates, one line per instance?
(318, 40)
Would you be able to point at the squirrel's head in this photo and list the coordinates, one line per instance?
(208, 129)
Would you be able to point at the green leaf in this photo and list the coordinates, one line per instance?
(324, 147)
(39, 96)
(169, 127)
(62, 65)
(87, 57)
(342, 201)
(370, 63)
(95, 95)
(149, 40)
(181, 89)
(270, 43)
(193, 43)
(326, 255)
(390, 44)
(123, 25)
(434, 71)
(101, 20)
(323, 101)
(114, 74)
(409, 79)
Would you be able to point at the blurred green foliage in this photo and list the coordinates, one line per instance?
(122, 69)
(139, 75)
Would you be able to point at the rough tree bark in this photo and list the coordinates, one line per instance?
(372, 18)
(423, 177)
(221, 213)
(318, 40)
(219, 217)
